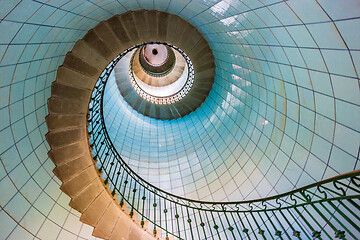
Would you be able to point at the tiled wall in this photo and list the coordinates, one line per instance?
(34, 38)
(284, 110)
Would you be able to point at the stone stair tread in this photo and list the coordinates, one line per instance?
(70, 169)
(181, 28)
(76, 63)
(190, 42)
(128, 22)
(96, 209)
(141, 25)
(83, 199)
(172, 23)
(64, 121)
(70, 77)
(107, 222)
(162, 26)
(99, 46)
(105, 33)
(119, 31)
(122, 228)
(70, 92)
(152, 25)
(65, 137)
(75, 185)
(83, 51)
(67, 153)
(66, 106)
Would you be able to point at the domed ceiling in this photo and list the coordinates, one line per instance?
(283, 111)
(274, 119)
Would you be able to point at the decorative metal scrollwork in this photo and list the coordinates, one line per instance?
(289, 211)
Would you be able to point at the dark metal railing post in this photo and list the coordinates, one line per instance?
(327, 208)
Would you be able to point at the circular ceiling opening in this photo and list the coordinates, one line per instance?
(167, 88)
(155, 54)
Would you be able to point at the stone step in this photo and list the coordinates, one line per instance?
(152, 25)
(136, 232)
(107, 222)
(96, 209)
(162, 26)
(128, 22)
(83, 199)
(65, 137)
(78, 64)
(205, 63)
(205, 76)
(180, 34)
(130, 95)
(172, 23)
(199, 50)
(63, 155)
(89, 55)
(65, 121)
(165, 113)
(193, 37)
(70, 169)
(105, 33)
(141, 105)
(70, 92)
(99, 46)
(182, 109)
(70, 77)
(119, 31)
(75, 185)
(122, 228)
(66, 106)
(193, 103)
(174, 112)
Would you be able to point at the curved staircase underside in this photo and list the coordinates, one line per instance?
(68, 107)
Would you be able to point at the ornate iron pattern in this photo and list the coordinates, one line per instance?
(143, 62)
(324, 210)
(174, 97)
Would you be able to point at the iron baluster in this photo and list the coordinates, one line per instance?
(327, 205)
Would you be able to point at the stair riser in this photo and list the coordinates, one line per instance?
(69, 170)
(72, 61)
(75, 185)
(83, 200)
(67, 106)
(56, 122)
(94, 212)
(89, 55)
(99, 46)
(106, 34)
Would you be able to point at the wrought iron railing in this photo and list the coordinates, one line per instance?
(173, 98)
(155, 71)
(324, 210)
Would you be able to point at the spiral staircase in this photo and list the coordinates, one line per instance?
(68, 108)
(118, 202)
(73, 154)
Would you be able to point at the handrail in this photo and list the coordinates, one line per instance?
(328, 207)
(156, 71)
(175, 97)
